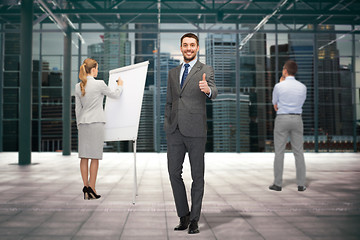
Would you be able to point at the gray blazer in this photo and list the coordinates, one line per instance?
(89, 108)
(186, 107)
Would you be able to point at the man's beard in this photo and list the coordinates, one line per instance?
(189, 59)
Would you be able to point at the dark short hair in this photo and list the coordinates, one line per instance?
(189, 35)
(291, 67)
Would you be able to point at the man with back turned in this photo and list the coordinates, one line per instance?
(189, 85)
(288, 98)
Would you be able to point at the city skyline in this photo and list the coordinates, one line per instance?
(256, 79)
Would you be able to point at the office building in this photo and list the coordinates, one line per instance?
(321, 38)
(166, 63)
(224, 123)
(220, 53)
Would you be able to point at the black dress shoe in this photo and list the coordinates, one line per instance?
(301, 188)
(275, 187)
(184, 223)
(193, 227)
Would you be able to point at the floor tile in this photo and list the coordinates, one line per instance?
(45, 200)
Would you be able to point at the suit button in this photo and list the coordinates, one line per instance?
(180, 96)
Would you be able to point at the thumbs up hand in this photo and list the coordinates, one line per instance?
(204, 87)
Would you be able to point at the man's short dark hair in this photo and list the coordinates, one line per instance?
(291, 67)
(189, 35)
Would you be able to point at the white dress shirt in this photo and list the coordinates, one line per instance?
(192, 63)
(289, 96)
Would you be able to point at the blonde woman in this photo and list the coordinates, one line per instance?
(90, 118)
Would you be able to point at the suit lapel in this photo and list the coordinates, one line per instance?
(194, 70)
(176, 78)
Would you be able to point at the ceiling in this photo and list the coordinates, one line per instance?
(194, 12)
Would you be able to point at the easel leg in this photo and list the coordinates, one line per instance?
(135, 190)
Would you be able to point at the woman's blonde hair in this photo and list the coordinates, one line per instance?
(85, 69)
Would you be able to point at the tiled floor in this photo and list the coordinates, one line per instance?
(44, 200)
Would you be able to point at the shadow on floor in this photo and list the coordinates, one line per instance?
(288, 182)
(223, 217)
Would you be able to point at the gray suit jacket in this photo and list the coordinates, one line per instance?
(186, 107)
(89, 108)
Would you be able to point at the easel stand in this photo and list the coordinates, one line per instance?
(118, 127)
(135, 189)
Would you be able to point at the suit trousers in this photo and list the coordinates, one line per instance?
(177, 146)
(289, 126)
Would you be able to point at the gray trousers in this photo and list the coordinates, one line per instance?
(289, 126)
(177, 146)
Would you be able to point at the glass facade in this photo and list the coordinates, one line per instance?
(240, 119)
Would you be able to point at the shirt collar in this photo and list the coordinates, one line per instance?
(90, 78)
(290, 78)
(192, 63)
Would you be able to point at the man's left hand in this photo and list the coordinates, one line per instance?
(204, 87)
(276, 107)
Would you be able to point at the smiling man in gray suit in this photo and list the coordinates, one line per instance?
(189, 85)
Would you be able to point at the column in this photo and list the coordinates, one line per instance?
(237, 86)
(353, 86)
(66, 95)
(1, 84)
(316, 90)
(25, 101)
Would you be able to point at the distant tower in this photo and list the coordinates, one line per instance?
(117, 51)
(96, 51)
(166, 63)
(330, 116)
(220, 55)
(224, 123)
(301, 47)
(145, 142)
(114, 52)
(145, 44)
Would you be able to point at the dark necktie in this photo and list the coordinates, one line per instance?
(184, 74)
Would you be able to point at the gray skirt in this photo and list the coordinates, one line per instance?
(91, 140)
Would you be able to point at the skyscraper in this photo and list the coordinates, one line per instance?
(224, 123)
(329, 83)
(145, 44)
(221, 55)
(301, 50)
(345, 97)
(114, 52)
(166, 63)
(334, 84)
(117, 51)
(145, 142)
(258, 109)
(96, 51)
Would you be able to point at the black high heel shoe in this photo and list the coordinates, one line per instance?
(92, 194)
(86, 194)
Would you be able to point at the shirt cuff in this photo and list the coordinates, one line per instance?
(208, 95)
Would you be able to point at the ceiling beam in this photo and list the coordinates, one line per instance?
(281, 5)
(182, 11)
(40, 19)
(94, 4)
(95, 19)
(224, 11)
(117, 4)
